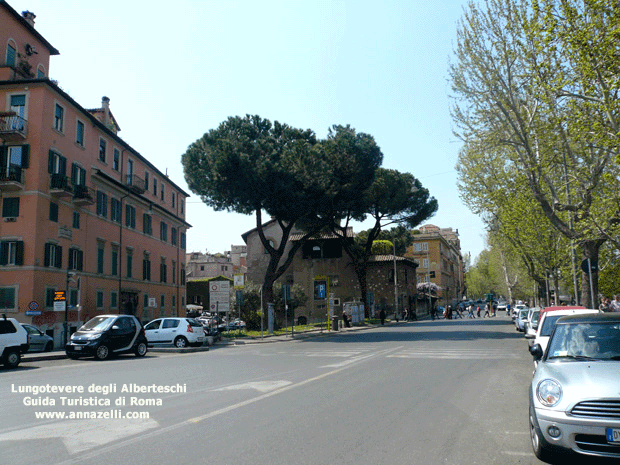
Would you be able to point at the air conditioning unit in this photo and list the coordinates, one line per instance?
(10, 219)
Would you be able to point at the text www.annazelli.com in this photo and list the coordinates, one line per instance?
(112, 414)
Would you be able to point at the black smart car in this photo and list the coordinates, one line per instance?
(106, 335)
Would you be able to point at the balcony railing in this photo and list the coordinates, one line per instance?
(83, 195)
(11, 178)
(135, 183)
(12, 127)
(60, 185)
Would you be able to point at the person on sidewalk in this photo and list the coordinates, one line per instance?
(345, 320)
(382, 317)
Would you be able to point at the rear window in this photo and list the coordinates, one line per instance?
(7, 327)
(548, 324)
(193, 322)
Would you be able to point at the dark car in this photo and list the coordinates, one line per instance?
(107, 335)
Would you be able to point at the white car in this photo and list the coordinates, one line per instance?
(181, 332)
(14, 342)
(532, 327)
(547, 323)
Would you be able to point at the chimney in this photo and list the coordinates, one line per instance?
(105, 106)
(29, 16)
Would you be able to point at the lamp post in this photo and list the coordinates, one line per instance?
(395, 280)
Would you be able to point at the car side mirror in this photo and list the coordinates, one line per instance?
(115, 328)
(537, 352)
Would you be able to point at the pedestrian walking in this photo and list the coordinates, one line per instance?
(614, 306)
(478, 310)
(470, 311)
(494, 309)
(604, 307)
(382, 317)
(487, 311)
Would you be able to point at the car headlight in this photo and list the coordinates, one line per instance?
(549, 392)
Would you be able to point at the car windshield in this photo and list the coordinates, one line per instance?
(535, 317)
(548, 324)
(99, 323)
(586, 341)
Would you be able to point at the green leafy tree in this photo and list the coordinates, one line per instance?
(394, 198)
(249, 165)
(538, 82)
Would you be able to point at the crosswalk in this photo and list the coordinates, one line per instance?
(452, 354)
(418, 352)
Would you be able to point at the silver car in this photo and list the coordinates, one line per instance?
(575, 392)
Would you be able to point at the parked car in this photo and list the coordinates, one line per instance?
(532, 327)
(236, 324)
(39, 341)
(516, 309)
(13, 342)
(574, 396)
(520, 321)
(548, 320)
(107, 335)
(181, 332)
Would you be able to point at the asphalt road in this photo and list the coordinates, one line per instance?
(442, 392)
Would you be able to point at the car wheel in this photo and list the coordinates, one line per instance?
(102, 352)
(141, 349)
(539, 444)
(180, 342)
(49, 346)
(12, 359)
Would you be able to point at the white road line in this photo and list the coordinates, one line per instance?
(101, 450)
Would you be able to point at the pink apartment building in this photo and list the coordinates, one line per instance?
(82, 211)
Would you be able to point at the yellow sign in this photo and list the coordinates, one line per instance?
(59, 296)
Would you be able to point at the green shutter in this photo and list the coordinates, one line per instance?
(19, 255)
(50, 161)
(4, 150)
(25, 156)
(4, 252)
(58, 263)
(46, 260)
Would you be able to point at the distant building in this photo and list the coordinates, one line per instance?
(83, 213)
(206, 265)
(438, 251)
(324, 270)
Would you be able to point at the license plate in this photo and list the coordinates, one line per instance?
(77, 347)
(613, 435)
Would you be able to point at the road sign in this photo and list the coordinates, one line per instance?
(593, 266)
(238, 281)
(60, 296)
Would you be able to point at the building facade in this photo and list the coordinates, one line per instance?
(82, 211)
(324, 271)
(438, 251)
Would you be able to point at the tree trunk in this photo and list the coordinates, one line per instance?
(590, 250)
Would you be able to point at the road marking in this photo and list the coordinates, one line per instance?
(158, 432)
(82, 435)
(261, 386)
(520, 454)
(453, 354)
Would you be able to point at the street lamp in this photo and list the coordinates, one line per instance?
(395, 281)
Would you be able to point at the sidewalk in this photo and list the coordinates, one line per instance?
(287, 337)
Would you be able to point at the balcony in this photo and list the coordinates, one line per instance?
(60, 185)
(13, 128)
(12, 179)
(83, 195)
(135, 184)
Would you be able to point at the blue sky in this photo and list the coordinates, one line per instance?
(174, 70)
